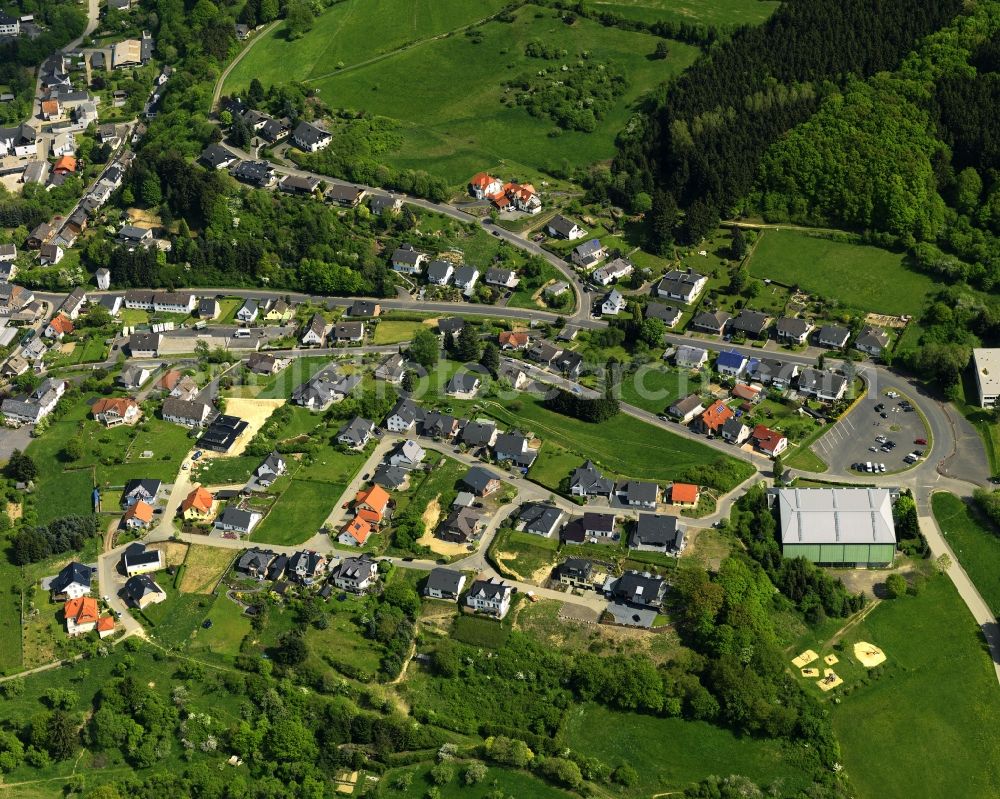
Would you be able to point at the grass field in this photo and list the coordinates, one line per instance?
(446, 91)
(925, 726)
(175, 619)
(670, 753)
(524, 554)
(974, 542)
(222, 640)
(343, 645)
(657, 388)
(708, 12)
(298, 513)
(203, 566)
(856, 275)
(622, 445)
(390, 331)
(224, 471)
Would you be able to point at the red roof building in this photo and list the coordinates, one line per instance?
(768, 441)
(717, 414)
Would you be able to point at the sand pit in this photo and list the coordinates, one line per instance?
(809, 672)
(804, 659)
(869, 655)
(252, 411)
(831, 660)
(67, 348)
(431, 514)
(830, 680)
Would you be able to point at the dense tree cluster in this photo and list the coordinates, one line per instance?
(67, 534)
(595, 410)
(705, 141)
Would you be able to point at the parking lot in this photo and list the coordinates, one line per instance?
(853, 438)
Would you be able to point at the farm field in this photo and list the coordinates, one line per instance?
(898, 731)
(298, 513)
(707, 12)
(446, 91)
(974, 542)
(670, 753)
(856, 275)
(622, 445)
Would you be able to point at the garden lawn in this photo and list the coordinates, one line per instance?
(222, 640)
(713, 13)
(389, 331)
(441, 482)
(298, 513)
(975, 543)
(856, 275)
(926, 726)
(522, 296)
(226, 471)
(203, 566)
(623, 445)
(446, 92)
(670, 753)
(173, 621)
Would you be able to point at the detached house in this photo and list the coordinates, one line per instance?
(833, 336)
(656, 533)
(479, 434)
(827, 385)
(115, 411)
(670, 315)
(639, 494)
(463, 385)
(407, 260)
(460, 527)
(465, 278)
(350, 332)
(560, 227)
(774, 373)
(189, 413)
(751, 324)
(514, 340)
(237, 520)
(614, 303)
(138, 516)
(391, 369)
(145, 345)
(197, 505)
(439, 273)
(355, 574)
(481, 481)
(270, 469)
(681, 285)
(576, 573)
(444, 584)
(142, 591)
(688, 357)
(712, 420)
(731, 363)
(356, 433)
(609, 273)
(793, 330)
(407, 454)
(315, 332)
(403, 416)
(587, 481)
(589, 254)
(81, 615)
(768, 441)
(684, 410)
(483, 186)
(872, 341)
(539, 518)
(637, 589)
(491, 597)
(310, 137)
(72, 582)
(734, 431)
(513, 448)
(139, 559)
(58, 326)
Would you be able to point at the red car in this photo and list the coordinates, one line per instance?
(920, 441)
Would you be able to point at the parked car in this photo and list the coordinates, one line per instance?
(921, 441)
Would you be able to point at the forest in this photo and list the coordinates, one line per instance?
(699, 148)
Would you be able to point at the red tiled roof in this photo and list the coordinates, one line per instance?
(105, 623)
(141, 511)
(169, 380)
(716, 415)
(481, 179)
(199, 499)
(767, 439)
(61, 324)
(375, 498)
(83, 610)
(358, 529)
(684, 492)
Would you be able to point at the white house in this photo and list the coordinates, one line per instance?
(613, 271)
(613, 304)
(681, 285)
(688, 357)
(491, 597)
(311, 138)
(562, 228)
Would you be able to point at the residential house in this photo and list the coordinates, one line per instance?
(197, 505)
(9, 26)
(599, 525)
(310, 137)
(504, 278)
(657, 533)
(461, 526)
(295, 184)
(576, 573)
(237, 520)
(513, 374)
(587, 481)
(463, 385)
(407, 260)
(714, 417)
(133, 236)
(72, 582)
(639, 494)
(483, 186)
(773, 373)
(407, 454)
(391, 369)
(683, 285)
(391, 478)
(222, 433)
(8, 253)
(688, 357)
(440, 273)
(356, 532)
(81, 615)
(182, 387)
(639, 589)
(58, 326)
(262, 363)
(324, 389)
(589, 254)
(792, 329)
(112, 303)
(556, 289)
(145, 345)
(569, 363)
(381, 204)
(734, 431)
(247, 314)
(254, 562)
(513, 448)
(215, 156)
(491, 597)
(768, 441)
(524, 197)
(50, 108)
(20, 141)
(255, 173)
(356, 433)
(315, 332)
(750, 394)
(305, 566)
(450, 327)
(140, 559)
(730, 363)
(403, 416)
(465, 278)
(444, 584)
(684, 495)
(355, 574)
(611, 272)
(115, 411)
(348, 332)
(539, 518)
(269, 470)
(189, 413)
(50, 254)
(344, 195)
(826, 385)
(373, 504)
(833, 336)
(439, 425)
(42, 233)
(751, 324)
(613, 304)
(35, 406)
(514, 340)
(684, 410)
(14, 367)
(133, 376)
(872, 340)
(481, 481)
(364, 309)
(670, 315)
(479, 434)
(560, 227)
(74, 303)
(142, 591)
